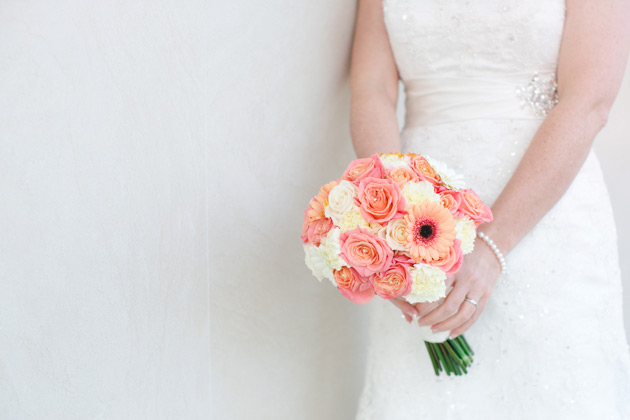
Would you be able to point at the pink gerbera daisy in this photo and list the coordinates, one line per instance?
(430, 231)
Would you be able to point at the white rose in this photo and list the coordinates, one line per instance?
(419, 192)
(449, 177)
(395, 234)
(428, 284)
(465, 231)
(340, 200)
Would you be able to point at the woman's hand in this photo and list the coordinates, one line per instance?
(475, 280)
(408, 310)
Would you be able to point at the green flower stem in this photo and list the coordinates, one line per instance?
(467, 345)
(434, 350)
(436, 363)
(461, 351)
(447, 359)
(451, 356)
(455, 357)
(443, 359)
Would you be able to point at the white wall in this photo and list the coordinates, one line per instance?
(103, 224)
(140, 277)
(284, 346)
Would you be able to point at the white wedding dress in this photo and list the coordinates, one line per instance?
(551, 342)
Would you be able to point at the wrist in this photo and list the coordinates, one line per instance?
(498, 235)
(495, 250)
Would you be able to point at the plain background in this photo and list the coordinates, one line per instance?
(156, 159)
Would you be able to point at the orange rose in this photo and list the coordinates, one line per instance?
(395, 281)
(424, 170)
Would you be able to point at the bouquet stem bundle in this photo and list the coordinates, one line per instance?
(451, 356)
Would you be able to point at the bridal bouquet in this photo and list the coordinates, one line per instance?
(396, 225)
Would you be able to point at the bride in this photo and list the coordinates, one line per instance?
(511, 94)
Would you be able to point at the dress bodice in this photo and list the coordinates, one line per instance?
(467, 59)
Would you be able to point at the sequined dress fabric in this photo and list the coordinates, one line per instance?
(479, 78)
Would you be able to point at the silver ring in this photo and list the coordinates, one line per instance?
(473, 301)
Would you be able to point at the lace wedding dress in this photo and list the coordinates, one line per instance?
(551, 342)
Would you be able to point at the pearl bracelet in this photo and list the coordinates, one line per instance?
(494, 249)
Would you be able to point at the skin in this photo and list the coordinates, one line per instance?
(592, 60)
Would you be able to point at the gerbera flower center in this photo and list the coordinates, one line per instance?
(424, 231)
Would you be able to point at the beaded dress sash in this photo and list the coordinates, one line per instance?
(440, 99)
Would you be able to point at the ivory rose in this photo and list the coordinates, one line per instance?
(395, 234)
(363, 168)
(395, 281)
(380, 200)
(473, 207)
(340, 200)
(353, 285)
(367, 253)
(451, 262)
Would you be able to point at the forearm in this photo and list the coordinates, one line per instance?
(373, 123)
(547, 169)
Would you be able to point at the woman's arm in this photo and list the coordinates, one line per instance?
(373, 84)
(593, 56)
(374, 95)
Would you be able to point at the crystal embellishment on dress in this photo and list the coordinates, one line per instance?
(541, 94)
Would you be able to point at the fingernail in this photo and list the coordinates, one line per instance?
(421, 322)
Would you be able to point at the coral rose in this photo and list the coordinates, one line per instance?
(317, 230)
(365, 252)
(473, 207)
(380, 200)
(424, 170)
(353, 285)
(359, 169)
(450, 262)
(395, 281)
(450, 200)
(402, 174)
